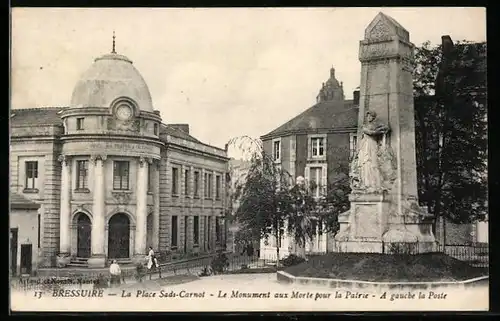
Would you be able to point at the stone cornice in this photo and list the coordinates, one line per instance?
(199, 146)
(317, 131)
(195, 151)
(103, 111)
(124, 138)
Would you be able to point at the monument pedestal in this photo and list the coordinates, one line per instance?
(373, 226)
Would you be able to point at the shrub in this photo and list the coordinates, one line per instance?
(101, 282)
(291, 260)
(219, 263)
(140, 270)
(205, 272)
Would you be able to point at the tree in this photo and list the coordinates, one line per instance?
(301, 221)
(451, 130)
(265, 199)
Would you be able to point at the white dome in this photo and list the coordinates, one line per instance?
(110, 77)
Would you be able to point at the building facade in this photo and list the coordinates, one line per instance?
(24, 223)
(238, 170)
(111, 178)
(317, 145)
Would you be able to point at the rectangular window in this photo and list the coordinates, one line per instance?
(317, 145)
(353, 144)
(209, 230)
(186, 223)
(174, 232)
(205, 233)
(205, 183)
(217, 187)
(155, 130)
(31, 175)
(39, 227)
(196, 184)
(79, 123)
(217, 230)
(196, 230)
(276, 150)
(175, 181)
(82, 169)
(186, 182)
(121, 173)
(209, 186)
(316, 174)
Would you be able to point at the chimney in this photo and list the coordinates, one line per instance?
(183, 127)
(355, 97)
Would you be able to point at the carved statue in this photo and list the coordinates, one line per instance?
(372, 168)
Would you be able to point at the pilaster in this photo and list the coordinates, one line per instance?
(141, 208)
(98, 257)
(64, 220)
(156, 209)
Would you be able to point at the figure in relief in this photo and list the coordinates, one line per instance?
(373, 156)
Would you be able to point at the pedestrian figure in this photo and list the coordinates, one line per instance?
(115, 271)
(152, 263)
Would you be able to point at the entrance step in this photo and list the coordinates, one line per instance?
(78, 262)
(125, 261)
(80, 259)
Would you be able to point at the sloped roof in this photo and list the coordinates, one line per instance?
(36, 116)
(326, 115)
(172, 131)
(20, 202)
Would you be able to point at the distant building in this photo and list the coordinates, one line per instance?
(112, 179)
(25, 245)
(238, 170)
(317, 145)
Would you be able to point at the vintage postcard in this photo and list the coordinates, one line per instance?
(248, 159)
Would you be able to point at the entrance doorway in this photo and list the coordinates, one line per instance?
(26, 258)
(13, 251)
(84, 231)
(119, 236)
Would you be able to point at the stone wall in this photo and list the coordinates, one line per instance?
(26, 221)
(48, 187)
(189, 205)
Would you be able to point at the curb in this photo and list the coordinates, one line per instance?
(284, 277)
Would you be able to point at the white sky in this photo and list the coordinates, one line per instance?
(226, 72)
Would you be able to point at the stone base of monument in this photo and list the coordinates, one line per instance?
(372, 226)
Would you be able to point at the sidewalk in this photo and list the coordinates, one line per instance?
(157, 284)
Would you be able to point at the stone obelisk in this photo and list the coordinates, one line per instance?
(384, 199)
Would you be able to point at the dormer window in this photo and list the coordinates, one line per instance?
(79, 123)
(155, 129)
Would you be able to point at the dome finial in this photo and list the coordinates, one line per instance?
(113, 51)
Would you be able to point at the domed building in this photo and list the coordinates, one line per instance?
(111, 179)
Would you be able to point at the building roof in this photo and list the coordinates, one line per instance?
(36, 116)
(327, 115)
(111, 76)
(166, 129)
(51, 116)
(331, 112)
(20, 202)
